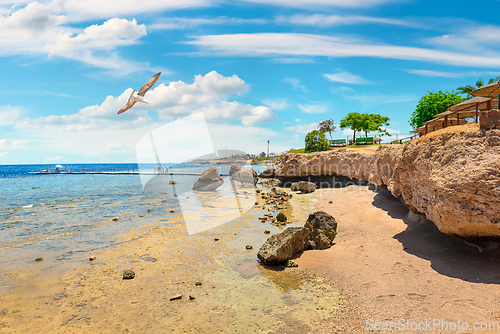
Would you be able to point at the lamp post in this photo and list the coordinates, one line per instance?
(268, 148)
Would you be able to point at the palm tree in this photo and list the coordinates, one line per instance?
(468, 89)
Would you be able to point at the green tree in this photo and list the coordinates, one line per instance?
(316, 141)
(468, 89)
(374, 123)
(262, 154)
(353, 121)
(432, 104)
(327, 126)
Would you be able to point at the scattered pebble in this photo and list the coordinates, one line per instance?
(256, 203)
(38, 259)
(34, 187)
(172, 211)
(291, 263)
(198, 283)
(330, 202)
(176, 297)
(92, 258)
(175, 195)
(216, 239)
(115, 219)
(149, 210)
(249, 247)
(192, 297)
(164, 201)
(128, 274)
(267, 232)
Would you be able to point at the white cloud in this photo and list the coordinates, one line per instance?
(345, 77)
(117, 146)
(3, 154)
(322, 3)
(292, 44)
(314, 108)
(295, 83)
(429, 73)
(13, 145)
(40, 29)
(10, 115)
(217, 85)
(321, 20)
(380, 99)
(174, 23)
(297, 120)
(276, 104)
(303, 128)
(476, 38)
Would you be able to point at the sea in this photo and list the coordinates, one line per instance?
(61, 216)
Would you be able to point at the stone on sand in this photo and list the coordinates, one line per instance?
(323, 229)
(209, 180)
(282, 246)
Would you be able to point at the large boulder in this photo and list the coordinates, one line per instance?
(294, 186)
(209, 180)
(307, 187)
(281, 247)
(246, 175)
(268, 173)
(323, 229)
(234, 169)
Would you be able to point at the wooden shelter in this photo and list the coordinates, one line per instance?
(470, 108)
(490, 90)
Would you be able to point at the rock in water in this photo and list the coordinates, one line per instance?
(307, 187)
(128, 274)
(269, 173)
(209, 180)
(323, 229)
(246, 175)
(281, 217)
(234, 169)
(281, 247)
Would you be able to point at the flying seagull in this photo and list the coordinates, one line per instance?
(139, 96)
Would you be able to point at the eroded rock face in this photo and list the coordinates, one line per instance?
(246, 175)
(452, 176)
(323, 229)
(209, 180)
(281, 247)
(268, 173)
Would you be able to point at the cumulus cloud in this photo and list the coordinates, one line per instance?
(303, 128)
(40, 29)
(345, 77)
(12, 145)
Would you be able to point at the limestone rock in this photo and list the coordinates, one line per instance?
(323, 229)
(209, 180)
(281, 217)
(307, 187)
(234, 169)
(281, 247)
(268, 173)
(246, 175)
(128, 274)
(294, 186)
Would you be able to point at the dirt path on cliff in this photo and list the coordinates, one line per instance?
(397, 269)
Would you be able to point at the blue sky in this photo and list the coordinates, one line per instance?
(258, 70)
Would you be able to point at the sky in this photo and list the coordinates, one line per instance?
(258, 70)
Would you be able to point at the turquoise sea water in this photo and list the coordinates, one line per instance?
(62, 216)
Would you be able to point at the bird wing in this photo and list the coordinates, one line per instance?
(129, 104)
(148, 84)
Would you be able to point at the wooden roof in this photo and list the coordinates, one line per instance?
(490, 90)
(481, 103)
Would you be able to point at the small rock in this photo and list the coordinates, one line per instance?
(267, 232)
(249, 247)
(198, 283)
(34, 187)
(256, 203)
(330, 202)
(128, 274)
(172, 211)
(149, 210)
(258, 191)
(291, 263)
(192, 297)
(164, 201)
(307, 187)
(38, 259)
(141, 216)
(176, 297)
(216, 239)
(281, 217)
(92, 258)
(173, 182)
(175, 195)
(115, 219)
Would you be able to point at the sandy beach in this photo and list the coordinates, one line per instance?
(393, 268)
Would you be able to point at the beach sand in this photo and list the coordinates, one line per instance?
(382, 267)
(393, 268)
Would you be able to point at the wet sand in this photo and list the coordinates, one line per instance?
(393, 268)
(236, 295)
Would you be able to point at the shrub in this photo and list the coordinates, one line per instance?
(316, 141)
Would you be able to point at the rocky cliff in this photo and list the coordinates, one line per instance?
(452, 176)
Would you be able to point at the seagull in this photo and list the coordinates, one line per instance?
(139, 96)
